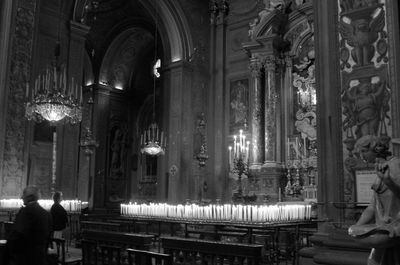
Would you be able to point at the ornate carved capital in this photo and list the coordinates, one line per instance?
(255, 67)
(288, 61)
(219, 10)
(270, 63)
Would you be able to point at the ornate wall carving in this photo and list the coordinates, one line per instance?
(14, 161)
(365, 93)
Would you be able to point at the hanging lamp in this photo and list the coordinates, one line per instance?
(152, 140)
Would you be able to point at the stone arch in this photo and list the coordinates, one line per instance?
(174, 29)
(121, 56)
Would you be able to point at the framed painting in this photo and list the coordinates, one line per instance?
(239, 105)
(364, 180)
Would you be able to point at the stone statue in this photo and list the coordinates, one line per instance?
(379, 224)
(361, 33)
(366, 104)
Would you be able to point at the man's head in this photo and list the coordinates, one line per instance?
(57, 196)
(30, 194)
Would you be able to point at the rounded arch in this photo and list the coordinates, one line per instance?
(173, 27)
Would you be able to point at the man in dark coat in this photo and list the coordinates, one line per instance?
(59, 215)
(29, 238)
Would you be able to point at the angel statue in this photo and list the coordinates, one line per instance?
(361, 33)
(366, 104)
(379, 225)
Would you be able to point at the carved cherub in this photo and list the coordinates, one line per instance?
(252, 25)
(361, 34)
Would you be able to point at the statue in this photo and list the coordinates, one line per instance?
(361, 33)
(379, 224)
(252, 26)
(366, 103)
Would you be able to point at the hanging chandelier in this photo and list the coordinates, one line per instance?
(52, 99)
(152, 140)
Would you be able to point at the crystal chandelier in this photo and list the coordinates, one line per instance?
(52, 99)
(152, 140)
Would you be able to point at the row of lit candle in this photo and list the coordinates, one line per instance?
(225, 212)
(69, 205)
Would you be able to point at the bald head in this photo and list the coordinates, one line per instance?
(30, 194)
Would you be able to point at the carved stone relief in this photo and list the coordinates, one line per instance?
(365, 93)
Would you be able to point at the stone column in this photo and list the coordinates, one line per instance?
(270, 121)
(256, 124)
(179, 119)
(287, 106)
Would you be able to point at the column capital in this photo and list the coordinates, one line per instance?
(255, 66)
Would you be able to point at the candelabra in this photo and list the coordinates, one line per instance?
(238, 160)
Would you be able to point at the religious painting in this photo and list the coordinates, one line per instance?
(239, 105)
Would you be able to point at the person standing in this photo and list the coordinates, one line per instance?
(59, 215)
(29, 237)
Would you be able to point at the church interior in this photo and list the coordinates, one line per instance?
(220, 131)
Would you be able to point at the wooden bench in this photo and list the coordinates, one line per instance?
(211, 252)
(95, 225)
(124, 240)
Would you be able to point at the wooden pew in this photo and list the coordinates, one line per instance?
(124, 240)
(188, 250)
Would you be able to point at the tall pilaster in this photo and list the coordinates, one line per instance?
(178, 78)
(257, 138)
(101, 113)
(219, 11)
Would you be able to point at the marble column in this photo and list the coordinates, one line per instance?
(287, 106)
(256, 124)
(270, 118)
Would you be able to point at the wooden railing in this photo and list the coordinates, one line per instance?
(193, 251)
(124, 240)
